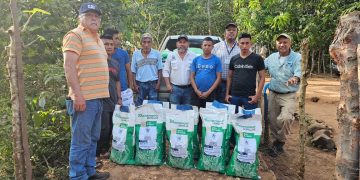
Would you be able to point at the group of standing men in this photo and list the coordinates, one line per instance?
(100, 75)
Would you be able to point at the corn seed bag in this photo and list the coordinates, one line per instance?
(149, 134)
(180, 130)
(230, 110)
(196, 143)
(214, 124)
(123, 143)
(244, 161)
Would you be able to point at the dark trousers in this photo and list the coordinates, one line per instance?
(197, 101)
(103, 145)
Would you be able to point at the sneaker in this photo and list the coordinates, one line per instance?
(100, 176)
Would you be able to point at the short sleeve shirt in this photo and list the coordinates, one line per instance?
(243, 82)
(109, 103)
(123, 58)
(91, 66)
(205, 71)
(146, 69)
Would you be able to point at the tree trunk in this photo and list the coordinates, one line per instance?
(208, 14)
(323, 61)
(312, 62)
(331, 72)
(21, 154)
(344, 51)
(303, 122)
(318, 62)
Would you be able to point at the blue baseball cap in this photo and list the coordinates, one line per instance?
(89, 6)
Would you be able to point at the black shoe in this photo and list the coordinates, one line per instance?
(273, 152)
(100, 176)
(276, 149)
(278, 146)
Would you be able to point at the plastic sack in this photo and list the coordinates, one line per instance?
(214, 129)
(196, 142)
(231, 110)
(149, 134)
(180, 130)
(123, 142)
(244, 161)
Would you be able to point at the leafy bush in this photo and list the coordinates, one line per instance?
(48, 124)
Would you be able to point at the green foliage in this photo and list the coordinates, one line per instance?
(48, 125)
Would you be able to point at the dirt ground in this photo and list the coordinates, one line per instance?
(320, 165)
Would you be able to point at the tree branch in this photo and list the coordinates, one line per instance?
(27, 23)
(32, 42)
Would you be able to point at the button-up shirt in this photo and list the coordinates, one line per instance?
(178, 69)
(282, 72)
(225, 53)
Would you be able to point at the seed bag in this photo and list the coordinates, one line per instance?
(214, 124)
(244, 161)
(123, 143)
(231, 110)
(196, 143)
(149, 134)
(180, 130)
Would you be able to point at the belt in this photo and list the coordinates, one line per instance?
(183, 87)
(280, 92)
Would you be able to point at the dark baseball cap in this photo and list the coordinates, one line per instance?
(182, 37)
(230, 25)
(89, 6)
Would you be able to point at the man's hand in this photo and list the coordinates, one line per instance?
(119, 102)
(136, 88)
(293, 80)
(227, 98)
(79, 103)
(253, 99)
(205, 95)
(157, 86)
(198, 93)
(169, 88)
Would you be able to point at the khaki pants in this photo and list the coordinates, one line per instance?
(281, 114)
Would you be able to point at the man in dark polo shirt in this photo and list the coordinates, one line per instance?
(241, 80)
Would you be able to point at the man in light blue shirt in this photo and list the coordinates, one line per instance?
(146, 66)
(285, 70)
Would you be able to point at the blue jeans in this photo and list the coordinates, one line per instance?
(220, 92)
(181, 95)
(242, 101)
(146, 89)
(85, 132)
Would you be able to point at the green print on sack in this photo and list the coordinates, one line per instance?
(244, 161)
(214, 133)
(149, 135)
(123, 143)
(180, 130)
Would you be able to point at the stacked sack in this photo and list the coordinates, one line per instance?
(140, 137)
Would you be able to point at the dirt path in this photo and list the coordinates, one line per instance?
(319, 164)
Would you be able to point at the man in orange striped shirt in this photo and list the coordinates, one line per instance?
(87, 75)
